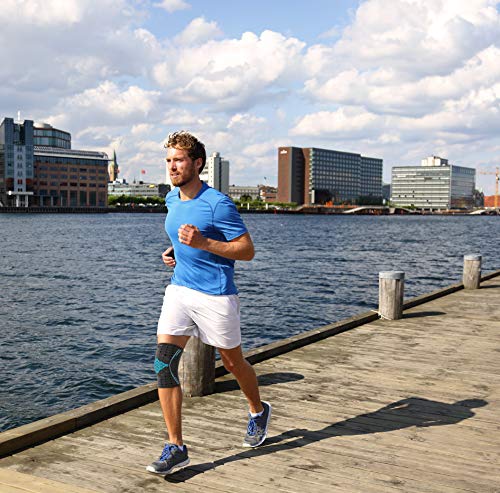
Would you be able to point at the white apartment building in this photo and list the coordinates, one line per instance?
(216, 173)
(137, 189)
(237, 191)
(435, 184)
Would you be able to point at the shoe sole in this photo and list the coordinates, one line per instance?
(248, 445)
(170, 471)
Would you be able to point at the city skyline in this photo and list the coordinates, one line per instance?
(398, 81)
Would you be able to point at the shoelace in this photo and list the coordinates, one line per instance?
(252, 426)
(167, 452)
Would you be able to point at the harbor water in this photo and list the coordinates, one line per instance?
(80, 294)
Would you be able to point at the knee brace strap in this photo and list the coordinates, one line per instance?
(167, 365)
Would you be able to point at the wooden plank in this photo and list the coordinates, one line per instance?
(11, 480)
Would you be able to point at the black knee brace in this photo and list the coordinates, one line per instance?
(167, 365)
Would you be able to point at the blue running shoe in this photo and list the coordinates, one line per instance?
(171, 458)
(257, 427)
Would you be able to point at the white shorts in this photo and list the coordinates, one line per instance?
(215, 319)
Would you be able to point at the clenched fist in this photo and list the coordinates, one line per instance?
(168, 258)
(190, 235)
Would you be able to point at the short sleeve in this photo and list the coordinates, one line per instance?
(227, 219)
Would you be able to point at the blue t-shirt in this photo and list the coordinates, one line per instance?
(215, 215)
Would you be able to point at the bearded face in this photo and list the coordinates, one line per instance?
(181, 168)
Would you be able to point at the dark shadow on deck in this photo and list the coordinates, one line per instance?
(264, 380)
(423, 314)
(413, 411)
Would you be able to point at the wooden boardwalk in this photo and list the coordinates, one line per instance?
(403, 406)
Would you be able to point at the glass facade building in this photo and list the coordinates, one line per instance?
(325, 176)
(434, 185)
(45, 135)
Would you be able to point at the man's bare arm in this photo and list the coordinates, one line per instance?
(240, 248)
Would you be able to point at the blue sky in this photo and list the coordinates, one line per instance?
(301, 19)
(395, 79)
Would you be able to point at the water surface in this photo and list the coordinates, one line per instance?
(80, 294)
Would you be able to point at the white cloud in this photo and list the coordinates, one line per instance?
(107, 104)
(198, 31)
(408, 78)
(382, 91)
(344, 121)
(180, 118)
(419, 36)
(172, 5)
(63, 47)
(41, 12)
(142, 129)
(245, 121)
(232, 74)
(404, 79)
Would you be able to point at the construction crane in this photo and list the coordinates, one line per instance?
(497, 178)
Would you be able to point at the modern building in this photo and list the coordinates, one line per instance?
(39, 168)
(16, 163)
(491, 200)
(216, 173)
(265, 193)
(138, 189)
(48, 136)
(268, 193)
(311, 175)
(237, 192)
(435, 184)
(386, 191)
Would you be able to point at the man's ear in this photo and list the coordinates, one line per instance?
(198, 163)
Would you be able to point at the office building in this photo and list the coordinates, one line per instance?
(386, 191)
(265, 193)
(491, 201)
(216, 173)
(435, 184)
(268, 193)
(320, 176)
(138, 189)
(48, 136)
(237, 192)
(16, 163)
(39, 168)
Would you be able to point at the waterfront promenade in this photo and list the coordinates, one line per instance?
(411, 405)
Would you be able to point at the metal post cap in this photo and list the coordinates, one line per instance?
(392, 274)
(473, 257)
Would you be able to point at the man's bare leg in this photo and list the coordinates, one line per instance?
(245, 375)
(171, 398)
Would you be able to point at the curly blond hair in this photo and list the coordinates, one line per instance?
(188, 142)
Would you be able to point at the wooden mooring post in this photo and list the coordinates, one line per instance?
(390, 294)
(472, 271)
(197, 368)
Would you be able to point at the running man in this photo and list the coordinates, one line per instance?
(207, 236)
